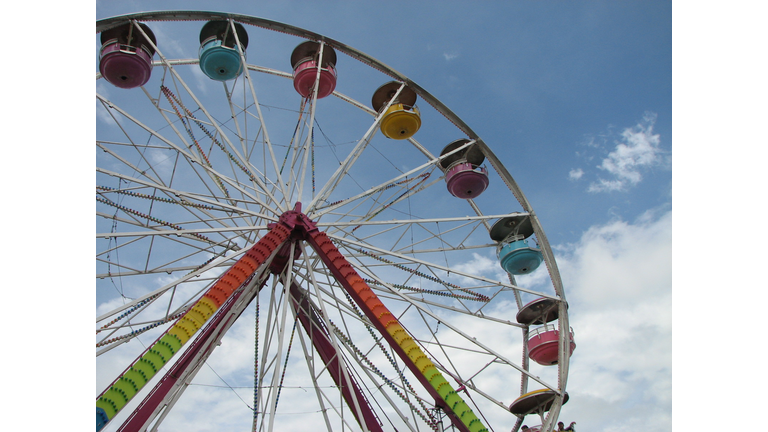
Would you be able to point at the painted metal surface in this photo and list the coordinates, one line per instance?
(543, 347)
(115, 397)
(219, 62)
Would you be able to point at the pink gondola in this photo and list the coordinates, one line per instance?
(305, 61)
(125, 59)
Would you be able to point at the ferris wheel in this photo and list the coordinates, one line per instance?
(292, 233)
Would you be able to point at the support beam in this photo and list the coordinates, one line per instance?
(319, 335)
(138, 374)
(445, 397)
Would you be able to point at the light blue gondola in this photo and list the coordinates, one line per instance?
(518, 258)
(515, 255)
(219, 57)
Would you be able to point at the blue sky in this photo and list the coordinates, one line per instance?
(576, 100)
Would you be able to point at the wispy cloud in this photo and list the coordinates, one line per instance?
(481, 265)
(450, 55)
(575, 174)
(634, 151)
(637, 150)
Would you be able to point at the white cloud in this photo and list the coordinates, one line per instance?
(618, 280)
(627, 156)
(481, 265)
(636, 150)
(603, 185)
(450, 55)
(575, 174)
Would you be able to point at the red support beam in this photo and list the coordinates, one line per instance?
(382, 318)
(318, 333)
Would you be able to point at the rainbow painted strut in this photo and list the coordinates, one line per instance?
(127, 385)
(198, 322)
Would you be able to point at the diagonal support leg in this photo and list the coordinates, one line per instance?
(189, 362)
(386, 323)
(318, 333)
(128, 384)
